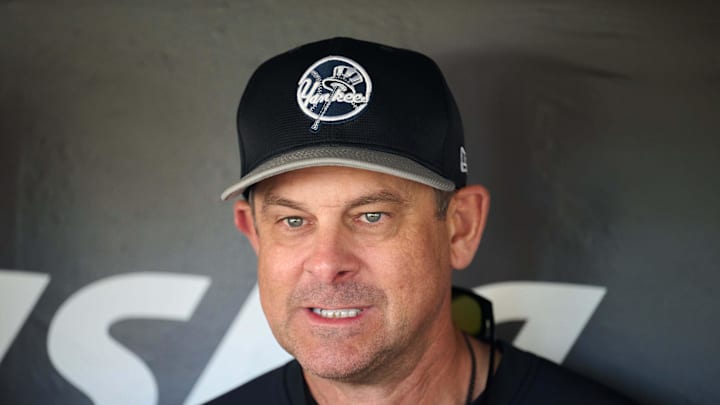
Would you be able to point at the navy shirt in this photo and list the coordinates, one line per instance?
(521, 378)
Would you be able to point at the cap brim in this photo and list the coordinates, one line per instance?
(358, 158)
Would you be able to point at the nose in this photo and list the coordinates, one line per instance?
(331, 257)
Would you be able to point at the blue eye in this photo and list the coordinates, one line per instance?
(294, 222)
(372, 217)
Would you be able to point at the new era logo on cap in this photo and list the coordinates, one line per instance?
(345, 102)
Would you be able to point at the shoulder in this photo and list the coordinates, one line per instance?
(269, 388)
(523, 377)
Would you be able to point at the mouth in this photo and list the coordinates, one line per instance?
(337, 313)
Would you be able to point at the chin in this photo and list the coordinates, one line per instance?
(344, 365)
(342, 370)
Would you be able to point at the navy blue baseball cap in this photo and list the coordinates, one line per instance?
(345, 102)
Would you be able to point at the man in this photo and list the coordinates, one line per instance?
(354, 197)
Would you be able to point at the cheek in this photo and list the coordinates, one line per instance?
(276, 279)
(415, 268)
(277, 263)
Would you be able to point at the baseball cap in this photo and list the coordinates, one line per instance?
(352, 103)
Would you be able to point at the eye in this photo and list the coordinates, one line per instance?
(294, 222)
(372, 217)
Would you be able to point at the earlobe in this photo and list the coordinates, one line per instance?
(466, 216)
(245, 222)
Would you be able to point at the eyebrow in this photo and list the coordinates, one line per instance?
(383, 196)
(271, 199)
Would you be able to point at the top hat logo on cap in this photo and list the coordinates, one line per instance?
(333, 89)
(345, 102)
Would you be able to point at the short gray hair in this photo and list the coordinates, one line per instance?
(442, 202)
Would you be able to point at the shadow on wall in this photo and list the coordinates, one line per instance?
(10, 171)
(536, 138)
(35, 170)
(602, 178)
(534, 126)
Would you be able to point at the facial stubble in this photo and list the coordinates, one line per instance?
(344, 354)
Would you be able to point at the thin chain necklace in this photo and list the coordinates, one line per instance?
(471, 386)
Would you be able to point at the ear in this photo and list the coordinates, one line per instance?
(245, 222)
(467, 214)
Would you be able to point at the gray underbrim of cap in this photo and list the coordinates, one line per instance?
(357, 158)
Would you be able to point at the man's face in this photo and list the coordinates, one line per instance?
(353, 269)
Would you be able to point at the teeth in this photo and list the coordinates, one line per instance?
(337, 313)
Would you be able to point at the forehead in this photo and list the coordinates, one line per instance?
(328, 183)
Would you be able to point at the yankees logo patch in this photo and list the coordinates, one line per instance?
(333, 89)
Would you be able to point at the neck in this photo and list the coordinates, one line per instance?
(440, 375)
